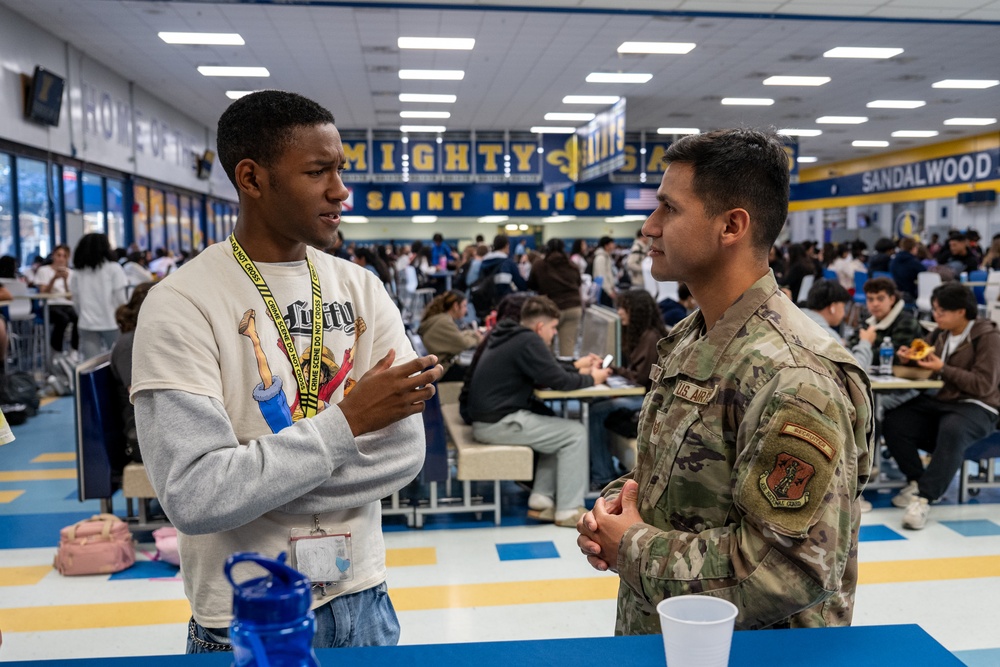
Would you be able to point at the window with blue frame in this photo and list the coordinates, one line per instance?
(173, 238)
(199, 233)
(157, 227)
(6, 205)
(34, 210)
(140, 216)
(116, 212)
(93, 204)
(185, 220)
(57, 228)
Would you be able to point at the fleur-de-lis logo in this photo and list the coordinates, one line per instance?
(566, 159)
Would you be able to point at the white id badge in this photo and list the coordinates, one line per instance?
(322, 555)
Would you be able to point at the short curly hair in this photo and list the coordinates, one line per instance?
(259, 126)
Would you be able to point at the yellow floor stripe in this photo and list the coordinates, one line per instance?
(8, 496)
(931, 569)
(23, 576)
(86, 616)
(505, 593)
(409, 557)
(48, 399)
(55, 457)
(37, 475)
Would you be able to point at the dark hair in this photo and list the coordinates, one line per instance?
(442, 303)
(555, 246)
(643, 314)
(956, 296)
(92, 251)
(127, 315)
(372, 260)
(438, 238)
(885, 245)
(500, 242)
(8, 267)
(139, 257)
(577, 248)
(259, 127)
(908, 244)
(536, 307)
(739, 168)
(824, 293)
(603, 241)
(886, 285)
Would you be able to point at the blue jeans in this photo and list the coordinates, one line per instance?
(602, 467)
(365, 618)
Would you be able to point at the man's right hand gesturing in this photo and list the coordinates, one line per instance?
(386, 394)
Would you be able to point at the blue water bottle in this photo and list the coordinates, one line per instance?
(886, 354)
(272, 623)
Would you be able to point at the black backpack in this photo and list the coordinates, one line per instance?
(18, 397)
(483, 293)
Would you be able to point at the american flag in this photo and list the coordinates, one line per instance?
(640, 199)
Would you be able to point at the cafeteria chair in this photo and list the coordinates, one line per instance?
(926, 282)
(979, 470)
(807, 284)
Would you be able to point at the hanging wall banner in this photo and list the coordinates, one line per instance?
(601, 143)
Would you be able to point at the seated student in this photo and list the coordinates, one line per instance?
(887, 316)
(826, 305)
(642, 328)
(517, 359)
(966, 358)
(440, 333)
(127, 316)
(675, 311)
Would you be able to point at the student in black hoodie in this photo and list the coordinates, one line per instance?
(517, 359)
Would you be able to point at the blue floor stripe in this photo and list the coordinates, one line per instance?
(984, 657)
(973, 528)
(878, 533)
(527, 550)
(147, 569)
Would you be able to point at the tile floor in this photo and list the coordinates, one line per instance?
(457, 580)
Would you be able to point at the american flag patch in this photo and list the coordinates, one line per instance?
(640, 199)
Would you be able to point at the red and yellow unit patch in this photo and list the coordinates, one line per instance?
(785, 485)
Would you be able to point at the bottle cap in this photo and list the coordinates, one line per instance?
(283, 596)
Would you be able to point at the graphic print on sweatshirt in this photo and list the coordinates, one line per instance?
(269, 393)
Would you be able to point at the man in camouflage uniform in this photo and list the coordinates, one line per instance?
(755, 441)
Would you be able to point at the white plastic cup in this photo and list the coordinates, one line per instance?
(697, 630)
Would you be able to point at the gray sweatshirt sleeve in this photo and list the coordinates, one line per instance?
(207, 482)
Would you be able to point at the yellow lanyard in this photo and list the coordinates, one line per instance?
(308, 392)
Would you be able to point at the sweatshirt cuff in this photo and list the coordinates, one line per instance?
(335, 432)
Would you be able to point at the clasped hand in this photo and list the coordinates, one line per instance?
(386, 394)
(601, 529)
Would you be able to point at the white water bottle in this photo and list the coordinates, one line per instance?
(886, 353)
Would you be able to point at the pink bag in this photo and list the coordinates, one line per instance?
(166, 545)
(101, 544)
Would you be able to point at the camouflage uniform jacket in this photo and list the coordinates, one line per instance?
(754, 445)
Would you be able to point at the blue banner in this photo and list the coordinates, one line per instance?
(601, 143)
(949, 170)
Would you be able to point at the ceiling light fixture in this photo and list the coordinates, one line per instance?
(511, 227)
(796, 80)
(970, 121)
(214, 70)
(424, 219)
(748, 101)
(625, 218)
(209, 38)
(493, 219)
(590, 99)
(862, 52)
(620, 77)
(421, 128)
(432, 74)
(423, 97)
(545, 129)
(667, 48)
(425, 114)
(677, 130)
(896, 104)
(915, 134)
(968, 84)
(558, 115)
(806, 159)
(354, 219)
(842, 120)
(447, 43)
(237, 94)
(559, 218)
(861, 143)
(800, 133)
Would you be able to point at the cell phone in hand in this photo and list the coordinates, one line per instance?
(607, 361)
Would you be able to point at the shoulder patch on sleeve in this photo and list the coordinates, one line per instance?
(813, 396)
(789, 474)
